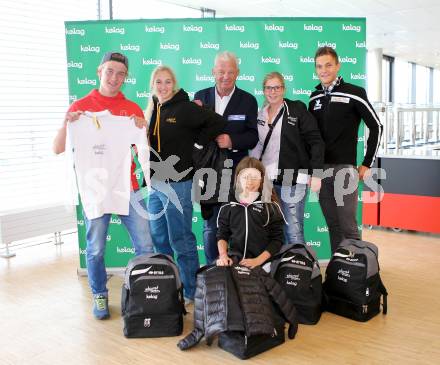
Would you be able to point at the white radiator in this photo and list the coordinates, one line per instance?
(25, 223)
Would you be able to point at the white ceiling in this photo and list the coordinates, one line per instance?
(409, 29)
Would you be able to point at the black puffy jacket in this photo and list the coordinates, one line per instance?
(236, 298)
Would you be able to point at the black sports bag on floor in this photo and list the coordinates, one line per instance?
(353, 287)
(152, 297)
(296, 269)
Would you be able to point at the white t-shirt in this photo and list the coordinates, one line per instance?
(100, 146)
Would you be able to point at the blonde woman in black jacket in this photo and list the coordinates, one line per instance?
(291, 148)
(176, 127)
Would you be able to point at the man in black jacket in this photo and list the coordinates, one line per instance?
(339, 108)
(239, 109)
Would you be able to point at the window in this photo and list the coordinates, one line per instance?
(422, 85)
(436, 88)
(34, 98)
(387, 64)
(402, 81)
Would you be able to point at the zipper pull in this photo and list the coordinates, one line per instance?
(367, 292)
(365, 308)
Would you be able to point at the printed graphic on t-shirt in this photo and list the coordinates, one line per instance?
(100, 145)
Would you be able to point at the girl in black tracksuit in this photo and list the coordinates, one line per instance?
(251, 225)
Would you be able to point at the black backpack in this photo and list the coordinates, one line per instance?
(152, 297)
(353, 287)
(296, 269)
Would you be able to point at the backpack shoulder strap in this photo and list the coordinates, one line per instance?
(384, 292)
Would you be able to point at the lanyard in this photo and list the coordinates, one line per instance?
(271, 128)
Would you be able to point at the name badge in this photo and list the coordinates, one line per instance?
(237, 117)
(339, 99)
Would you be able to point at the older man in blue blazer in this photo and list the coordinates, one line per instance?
(239, 109)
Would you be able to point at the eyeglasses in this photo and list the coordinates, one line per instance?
(250, 177)
(274, 88)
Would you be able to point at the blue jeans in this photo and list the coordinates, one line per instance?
(293, 201)
(210, 236)
(96, 234)
(171, 228)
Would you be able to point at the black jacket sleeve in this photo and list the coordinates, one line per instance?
(210, 123)
(369, 116)
(275, 228)
(279, 296)
(311, 135)
(223, 225)
(194, 337)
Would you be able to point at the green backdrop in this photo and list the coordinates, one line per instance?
(189, 46)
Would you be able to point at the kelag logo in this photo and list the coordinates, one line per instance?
(327, 44)
(192, 28)
(170, 46)
(151, 61)
(347, 59)
(244, 77)
(314, 243)
(273, 28)
(86, 81)
(313, 28)
(351, 27)
(235, 28)
(287, 77)
(130, 47)
(252, 45)
(114, 30)
(90, 48)
(73, 64)
(274, 60)
(130, 80)
(122, 250)
(288, 44)
(154, 29)
(191, 61)
(209, 45)
(357, 76)
(307, 59)
(143, 94)
(74, 31)
(301, 91)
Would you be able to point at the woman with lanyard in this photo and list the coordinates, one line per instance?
(291, 148)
